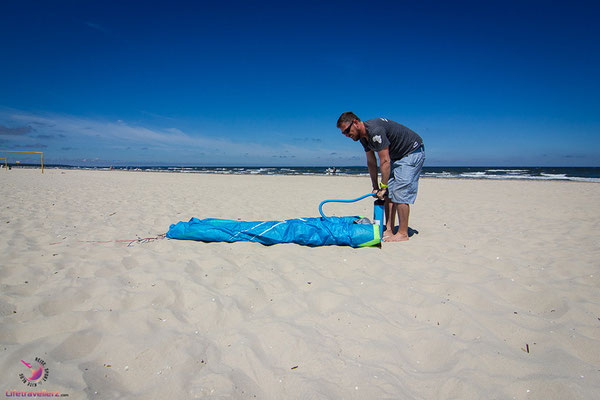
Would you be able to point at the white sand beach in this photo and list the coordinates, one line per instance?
(496, 297)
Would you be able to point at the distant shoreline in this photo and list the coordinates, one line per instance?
(577, 174)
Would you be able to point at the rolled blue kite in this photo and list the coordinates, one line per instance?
(340, 231)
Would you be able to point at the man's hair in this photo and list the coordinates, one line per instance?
(346, 118)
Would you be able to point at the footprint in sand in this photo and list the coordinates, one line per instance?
(78, 345)
(68, 299)
(130, 262)
(103, 382)
(7, 308)
(195, 272)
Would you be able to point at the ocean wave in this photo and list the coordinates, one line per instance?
(508, 171)
(475, 174)
(575, 174)
(479, 175)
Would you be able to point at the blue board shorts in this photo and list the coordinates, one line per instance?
(404, 177)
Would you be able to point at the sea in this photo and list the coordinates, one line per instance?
(579, 174)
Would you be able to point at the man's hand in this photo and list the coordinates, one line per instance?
(380, 193)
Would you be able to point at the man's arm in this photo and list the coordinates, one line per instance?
(384, 164)
(372, 165)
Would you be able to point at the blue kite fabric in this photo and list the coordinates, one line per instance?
(341, 231)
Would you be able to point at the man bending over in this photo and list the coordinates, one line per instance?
(401, 155)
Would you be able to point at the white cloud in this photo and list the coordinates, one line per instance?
(93, 137)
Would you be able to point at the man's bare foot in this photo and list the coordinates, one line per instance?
(398, 237)
(387, 233)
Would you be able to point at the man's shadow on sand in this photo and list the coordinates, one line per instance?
(411, 231)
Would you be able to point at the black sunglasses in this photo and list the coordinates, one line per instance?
(347, 130)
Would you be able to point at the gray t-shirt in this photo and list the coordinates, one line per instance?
(383, 133)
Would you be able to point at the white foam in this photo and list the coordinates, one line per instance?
(510, 171)
(473, 174)
(483, 175)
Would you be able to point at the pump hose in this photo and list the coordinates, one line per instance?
(342, 201)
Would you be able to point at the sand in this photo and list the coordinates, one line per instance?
(497, 296)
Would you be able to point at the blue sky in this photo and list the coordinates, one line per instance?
(263, 83)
